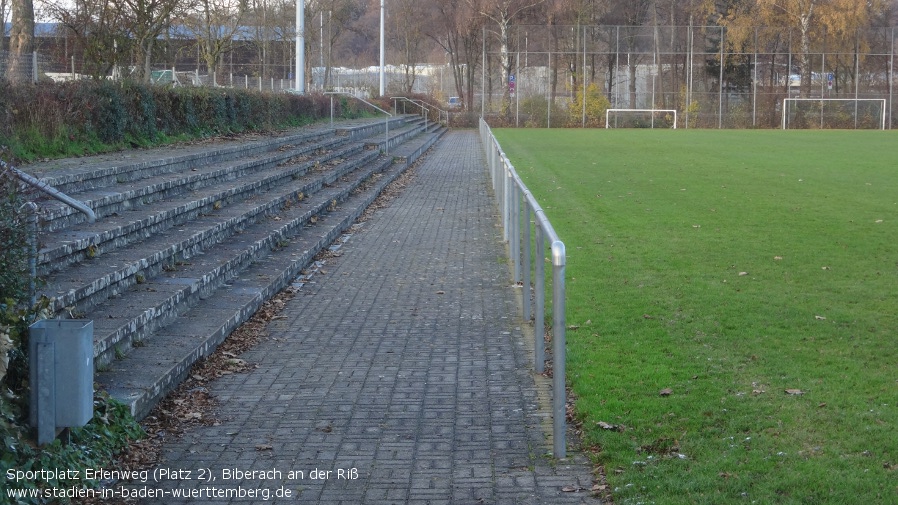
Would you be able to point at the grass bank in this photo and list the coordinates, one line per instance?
(749, 274)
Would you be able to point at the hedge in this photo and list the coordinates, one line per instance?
(46, 119)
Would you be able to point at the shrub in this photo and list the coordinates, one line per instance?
(14, 233)
(596, 105)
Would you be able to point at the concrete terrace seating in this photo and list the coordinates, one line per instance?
(186, 247)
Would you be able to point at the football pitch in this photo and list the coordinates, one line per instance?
(732, 302)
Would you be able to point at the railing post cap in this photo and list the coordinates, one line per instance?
(558, 254)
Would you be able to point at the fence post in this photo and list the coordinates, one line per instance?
(32, 245)
(559, 351)
(526, 263)
(515, 245)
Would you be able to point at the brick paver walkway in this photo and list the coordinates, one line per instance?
(403, 371)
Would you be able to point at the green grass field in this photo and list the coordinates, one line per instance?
(754, 274)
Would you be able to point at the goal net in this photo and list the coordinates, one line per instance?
(641, 118)
(834, 113)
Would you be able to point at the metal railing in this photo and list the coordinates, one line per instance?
(32, 210)
(517, 205)
(418, 103)
(424, 107)
(386, 119)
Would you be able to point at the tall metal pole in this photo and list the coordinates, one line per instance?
(891, 78)
(300, 46)
(383, 78)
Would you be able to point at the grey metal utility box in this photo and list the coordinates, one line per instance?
(61, 358)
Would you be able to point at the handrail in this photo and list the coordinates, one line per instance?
(425, 106)
(32, 210)
(51, 191)
(419, 103)
(511, 192)
(386, 119)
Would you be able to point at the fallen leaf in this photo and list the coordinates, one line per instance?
(794, 392)
(571, 489)
(821, 405)
(777, 258)
(820, 318)
(666, 392)
(743, 273)
(264, 447)
(599, 487)
(441, 292)
(606, 426)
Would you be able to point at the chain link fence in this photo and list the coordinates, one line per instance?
(693, 70)
(535, 79)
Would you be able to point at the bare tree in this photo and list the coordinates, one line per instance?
(147, 20)
(631, 16)
(214, 25)
(340, 19)
(96, 28)
(407, 23)
(503, 13)
(458, 33)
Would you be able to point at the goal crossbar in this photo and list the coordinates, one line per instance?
(673, 111)
(882, 102)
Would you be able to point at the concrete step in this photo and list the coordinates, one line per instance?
(72, 175)
(161, 209)
(121, 321)
(91, 240)
(111, 189)
(87, 283)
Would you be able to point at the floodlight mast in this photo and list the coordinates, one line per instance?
(300, 46)
(382, 49)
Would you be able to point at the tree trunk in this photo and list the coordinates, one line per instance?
(21, 41)
(805, 28)
(2, 17)
(148, 60)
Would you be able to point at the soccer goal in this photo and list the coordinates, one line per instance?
(834, 113)
(641, 118)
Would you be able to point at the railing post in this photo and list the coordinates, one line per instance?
(33, 229)
(559, 351)
(515, 245)
(539, 291)
(528, 314)
(506, 200)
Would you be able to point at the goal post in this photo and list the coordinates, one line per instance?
(833, 113)
(641, 118)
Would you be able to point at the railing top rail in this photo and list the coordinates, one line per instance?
(539, 213)
(419, 103)
(359, 99)
(50, 190)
